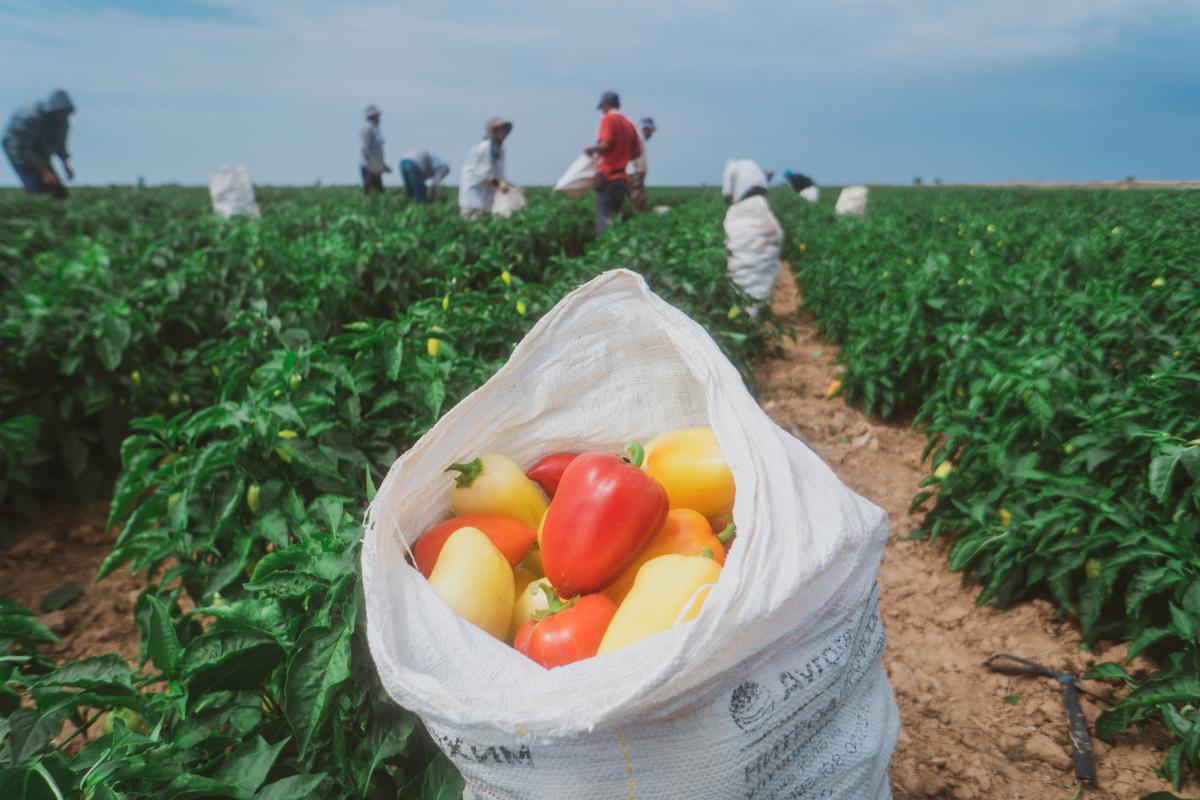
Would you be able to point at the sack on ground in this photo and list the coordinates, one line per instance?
(505, 204)
(811, 193)
(232, 192)
(775, 690)
(852, 200)
(753, 238)
(577, 180)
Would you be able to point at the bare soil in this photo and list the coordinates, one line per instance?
(966, 733)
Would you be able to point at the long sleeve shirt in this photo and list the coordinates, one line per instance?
(372, 148)
(482, 169)
(34, 135)
(432, 168)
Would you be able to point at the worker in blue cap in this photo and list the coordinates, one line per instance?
(373, 165)
(34, 135)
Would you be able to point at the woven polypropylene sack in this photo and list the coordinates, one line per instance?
(505, 204)
(775, 690)
(577, 180)
(753, 238)
(852, 200)
(232, 192)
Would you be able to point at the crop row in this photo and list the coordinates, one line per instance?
(244, 510)
(1048, 344)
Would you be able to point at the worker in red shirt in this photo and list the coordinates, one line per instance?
(616, 143)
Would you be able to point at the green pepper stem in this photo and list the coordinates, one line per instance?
(636, 453)
(554, 603)
(467, 473)
(724, 536)
(707, 553)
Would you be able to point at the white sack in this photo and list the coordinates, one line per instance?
(577, 180)
(775, 690)
(852, 200)
(753, 238)
(232, 192)
(508, 203)
(811, 193)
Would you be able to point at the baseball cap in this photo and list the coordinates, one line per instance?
(370, 111)
(648, 122)
(611, 98)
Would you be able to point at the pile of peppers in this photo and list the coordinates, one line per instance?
(583, 553)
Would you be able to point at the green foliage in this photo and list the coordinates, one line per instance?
(1047, 345)
(304, 381)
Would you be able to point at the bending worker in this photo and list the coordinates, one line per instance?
(373, 166)
(483, 170)
(34, 135)
(616, 143)
(420, 166)
(637, 178)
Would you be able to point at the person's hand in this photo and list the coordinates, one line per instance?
(505, 186)
(386, 168)
(48, 177)
(70, 172)
(589, 151)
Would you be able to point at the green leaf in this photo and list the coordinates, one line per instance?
(439, 781)
(61, 597)
(99, 672)
(30, 732)
(291, 787)
(162, 642)
(320, 664)
(24, 626)
(247, 766)
(238, 659)
(29, 782)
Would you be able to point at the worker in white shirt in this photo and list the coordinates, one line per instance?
(373, 166)
(419, 167)
(637, 178)
(483, 170)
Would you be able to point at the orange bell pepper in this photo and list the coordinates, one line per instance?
(685, 533)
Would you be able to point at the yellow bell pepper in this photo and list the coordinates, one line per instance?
(493, 484)
(662, 590)
(533, 562)
(530, 600)
(473, 577)
(689, 465)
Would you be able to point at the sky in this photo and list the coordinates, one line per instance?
(875, 91)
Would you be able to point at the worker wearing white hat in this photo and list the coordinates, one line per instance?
(483, 170)
(373, 166)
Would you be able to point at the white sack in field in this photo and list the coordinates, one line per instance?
(775, 690)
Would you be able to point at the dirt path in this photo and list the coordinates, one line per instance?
(965, 733)
(69, 546)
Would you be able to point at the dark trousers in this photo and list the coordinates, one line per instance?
(414, 180)
(610, 197)
(34, 184)
(372, 181)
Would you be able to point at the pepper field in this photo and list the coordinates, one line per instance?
(235, 390)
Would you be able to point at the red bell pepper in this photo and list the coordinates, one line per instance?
(566, 632)
(548, 471)
(510, 537)
(603, 514)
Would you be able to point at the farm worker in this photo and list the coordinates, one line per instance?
(616, 143)
(373, 165)
(483, 170)
(637, 177)
(34, 134)
(419, 166)
(753, 236)
(743, 178)
(797, 181)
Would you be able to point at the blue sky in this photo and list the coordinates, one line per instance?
(859, 90)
